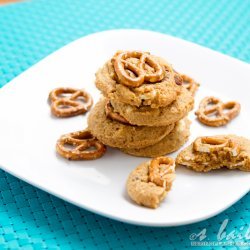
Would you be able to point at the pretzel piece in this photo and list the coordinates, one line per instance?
(210, 144)
(114, 115)
(211, 111)
(178, 78)
(139, 73)
(81, 143)
(190, 84)
(77, 102)
(162, 172)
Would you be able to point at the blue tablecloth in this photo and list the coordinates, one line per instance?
(33, 219)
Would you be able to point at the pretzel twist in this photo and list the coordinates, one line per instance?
(133, 75)
(80, 142)
(162, 171)
(190, 84)
(79, 102)
(211, 111)
(210, 144)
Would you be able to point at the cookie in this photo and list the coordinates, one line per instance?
(158, 94)
(146, 116)
(168, 144)
(215, 152)
(149, 183)
(116, 134)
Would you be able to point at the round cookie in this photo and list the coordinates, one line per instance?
(116, 134)
(146, 116)
(154, 95)
(168, 144)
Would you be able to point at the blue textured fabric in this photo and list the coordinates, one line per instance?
(33, 219)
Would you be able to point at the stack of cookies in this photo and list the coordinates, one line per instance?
(144, 107)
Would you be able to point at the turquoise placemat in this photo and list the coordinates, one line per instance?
(33, 219)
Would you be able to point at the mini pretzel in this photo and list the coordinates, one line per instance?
(210, 144)
(69, 106)
(211, 111)
(140, 75)
(190, 84)
(161, 172)
(81, 141)
(114, 115)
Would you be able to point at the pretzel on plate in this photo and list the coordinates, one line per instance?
(213, 112)
(80, 145)
(77, 102)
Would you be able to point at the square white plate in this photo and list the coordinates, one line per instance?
(28, 131)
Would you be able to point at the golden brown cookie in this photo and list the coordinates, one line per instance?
(150, 182)
(168, 144)
(215, 152)
(146, 116)
(116, 134)
(157, 94)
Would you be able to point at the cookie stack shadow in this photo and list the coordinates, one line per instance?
(147, 120)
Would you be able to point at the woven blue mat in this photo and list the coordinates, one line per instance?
(33, 219)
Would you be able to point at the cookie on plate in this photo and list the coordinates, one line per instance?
(155, 94)
(168, 144)
(117, 134)
(150, 182)
(214, 152)
(146, 116)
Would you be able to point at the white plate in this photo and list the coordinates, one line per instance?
(28, 132)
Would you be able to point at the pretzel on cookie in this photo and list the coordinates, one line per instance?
(114, 115)
(213, 112)
(81, 143)
(134, 75)
(151, 181)
(77, 102)
(178, 78)
(162, 171)
(210, 144)
(190, 84)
